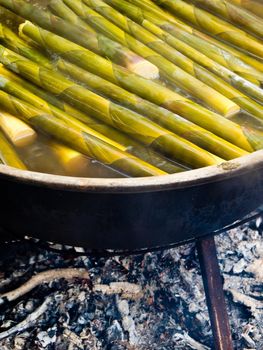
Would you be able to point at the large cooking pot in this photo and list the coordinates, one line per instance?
(130, 213)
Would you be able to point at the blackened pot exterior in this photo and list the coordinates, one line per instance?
(130, 214)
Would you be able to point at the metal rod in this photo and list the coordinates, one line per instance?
(214, 294)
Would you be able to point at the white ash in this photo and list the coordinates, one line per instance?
(148, 301)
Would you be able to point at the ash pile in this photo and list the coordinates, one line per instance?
(58, 300)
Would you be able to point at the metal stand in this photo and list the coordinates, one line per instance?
(214, 294)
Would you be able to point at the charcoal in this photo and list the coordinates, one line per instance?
(115, 333)
(44, 339)
(153, 300)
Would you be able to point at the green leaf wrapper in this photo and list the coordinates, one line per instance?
(133, 124)
(229, 57)
(98, 43)
(234, 14)
(8, 155)
(86, 143)
(41, 99)
(145, 44)
(9, 39)
(147, 89)
(214, 26)
(165, 118)
(186, 57)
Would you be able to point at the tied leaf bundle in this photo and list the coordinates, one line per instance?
(85, 36)
(151, 48)
(238, 55)
(139, 127)
(109, 80)
(147, 89)
(135, 64)
(234, 14)
(79, 120)
(186, 63)
(83, 142)
(254, 6)
(214, 26)
(8, 155)
(13, 42)
(167, 119)
(41, 99)
(236, 61)
(61, 10)
(203, 138)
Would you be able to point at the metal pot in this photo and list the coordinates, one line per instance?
(130, 213)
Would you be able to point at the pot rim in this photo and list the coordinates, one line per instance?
(191, 178)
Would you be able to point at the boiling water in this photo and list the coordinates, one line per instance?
(42, 157)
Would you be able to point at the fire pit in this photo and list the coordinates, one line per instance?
(163, 308)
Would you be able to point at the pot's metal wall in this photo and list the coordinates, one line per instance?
(128, 221)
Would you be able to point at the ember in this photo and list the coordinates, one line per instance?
(153, 300)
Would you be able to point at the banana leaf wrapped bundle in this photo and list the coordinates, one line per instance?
(237, 54)
(14, 85)
(254, 6)
(8, 154)
(236, 61)
(151, 48)
(234, 14)
(61, 10)
(74, 137)
(214, 26)
(85, 36)
(11, 87)
(9, 39)
(188, 64)
(135, 125)
(92, 41)
(147, 89)
(97, 109)
(229, 53)
(136, 64)
(167, 119)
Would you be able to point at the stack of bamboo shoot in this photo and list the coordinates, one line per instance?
(130, 85)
